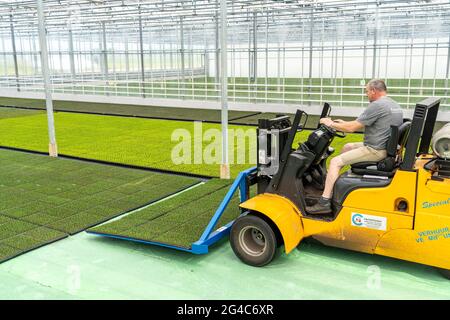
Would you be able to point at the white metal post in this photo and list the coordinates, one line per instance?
(255, 47)
(53, 150)
(127, 60)
(105, 58)
(13, 45)
(141, 52)
(375, 40)
(311, 39)
(217, 49)
(71, 55)
(183, 79)
(447, 72)
(225, 166)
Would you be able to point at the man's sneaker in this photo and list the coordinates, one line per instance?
(323, 206)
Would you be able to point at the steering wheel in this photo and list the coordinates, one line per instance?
(339, 134)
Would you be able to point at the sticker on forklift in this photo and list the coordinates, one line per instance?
(368, 221)
(431, 235)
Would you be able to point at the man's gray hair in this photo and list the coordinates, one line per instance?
(377, 85)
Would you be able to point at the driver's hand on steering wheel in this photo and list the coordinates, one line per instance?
(327, 121)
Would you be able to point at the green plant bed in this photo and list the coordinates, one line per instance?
(178, 221)
(43, 199)
(131, 141)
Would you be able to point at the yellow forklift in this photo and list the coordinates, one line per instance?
(398, 207)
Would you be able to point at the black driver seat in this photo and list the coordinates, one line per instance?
(394, 149)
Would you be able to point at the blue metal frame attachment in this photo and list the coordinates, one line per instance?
(209, 236)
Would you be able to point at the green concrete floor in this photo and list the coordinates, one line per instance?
(90, 267)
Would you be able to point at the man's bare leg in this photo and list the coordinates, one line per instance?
(323, 206)
(336, 165)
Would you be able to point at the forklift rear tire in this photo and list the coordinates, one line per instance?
(445, 272)
(253, 240)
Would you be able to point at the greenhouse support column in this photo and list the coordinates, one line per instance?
(225, 166)
(279, 67)
(13, 44)
(447, 72)
(255, 53)
(366, 32)
(266, 80)
(127, 60)
(249, 58)
(35, 55)
(206, 62)
(267, 47)
(71, 54)
(217, 49)
(53, 150)
(105, 56)
(182, 57)
(375, 36)
(141, 47)
(310, 54)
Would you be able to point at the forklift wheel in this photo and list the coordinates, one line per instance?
(445, 272)
(253, 240)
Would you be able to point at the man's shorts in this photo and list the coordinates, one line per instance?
(360, 153)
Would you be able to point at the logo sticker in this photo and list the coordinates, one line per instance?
(428, 205)
(357, 219)
(368, 221)
(432, 235)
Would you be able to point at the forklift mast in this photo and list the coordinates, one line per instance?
(274, 144)
(272, 136)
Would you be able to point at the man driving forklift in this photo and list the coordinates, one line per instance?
(376, 120)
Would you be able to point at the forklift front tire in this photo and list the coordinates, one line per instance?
(445, 272)
(253, 240)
